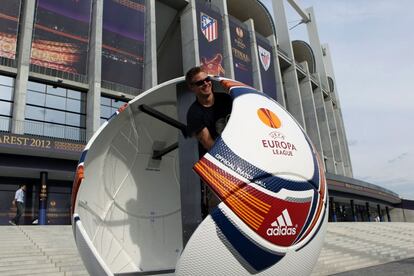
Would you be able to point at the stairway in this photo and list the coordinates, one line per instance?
(349, 246)
(51, 250)
(39, 250)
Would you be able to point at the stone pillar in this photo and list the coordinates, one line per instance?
(387, 210)
(290, 76)
(279, 82)
(43, 198)
(328, 154)
(379, 213)
(93, 99)
(23, 65)
(150, 67)
(257, 78)
(191, 55)
(333, 209)
(227, 54)
(354, 217)
(368, 212)
(309, 110)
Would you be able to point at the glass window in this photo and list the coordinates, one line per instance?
(74, 133)
(4, 123)
(35, 113)
(34, 128)
(35, 98)
(109, 106)
(5, 108)
(55, 102)
(75, 94)
(117, 104)
(56, 111)
(105, 101)
(6, 80)
(73, 119)
(36, 86)
(6, 93)
(55, 116)
(59, 91)
(54, 130)
(73, 105)
(106, 112)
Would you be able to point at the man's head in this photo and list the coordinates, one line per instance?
(199, 82)
(23, 187)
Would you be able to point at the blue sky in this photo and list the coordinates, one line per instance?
(371, 44)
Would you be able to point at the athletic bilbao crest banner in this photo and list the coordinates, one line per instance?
(264, 56)
(210, 38)
(9, 22)
(241, 50)
(267, 68)
(61, 36)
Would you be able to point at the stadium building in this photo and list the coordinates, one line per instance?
(66, 66)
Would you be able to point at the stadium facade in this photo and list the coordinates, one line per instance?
(66, 66)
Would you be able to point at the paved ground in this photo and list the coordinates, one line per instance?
(398, 268)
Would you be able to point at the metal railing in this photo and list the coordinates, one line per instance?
(121, 88)
(59, 74)
(8, 62)
(42, 129)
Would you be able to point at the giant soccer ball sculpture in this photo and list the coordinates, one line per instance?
(266, 172)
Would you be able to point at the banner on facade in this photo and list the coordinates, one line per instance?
(61, 35)
(123, 39)
(266, 64)
(210, 38)
(9, 23)
(241, 50)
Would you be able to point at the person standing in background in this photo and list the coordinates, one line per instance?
(19, 202)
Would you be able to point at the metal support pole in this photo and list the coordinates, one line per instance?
(43, 199)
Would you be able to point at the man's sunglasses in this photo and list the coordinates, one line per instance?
(201, 82)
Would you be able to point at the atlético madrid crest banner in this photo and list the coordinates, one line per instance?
(241, 50)
(266, 64)
(9, 22)
(210, 38)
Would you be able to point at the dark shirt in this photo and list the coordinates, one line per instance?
(214, 118)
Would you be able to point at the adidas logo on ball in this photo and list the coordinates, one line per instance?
(282, 226)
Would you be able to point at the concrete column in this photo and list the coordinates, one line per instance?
(293, 99)
(354, 217)
(338, 113)
(379, 212)
(336, 147)
(309, 110)
(387, 210)
(368, 212)
(191, 55)
(257, 78)
(328, 154)
(316, 46)
(227, 54)
(93, 99)
(23, 65)
(290, 77)
(333, 209)
(278, 72)
(282, 28)
(150, 59)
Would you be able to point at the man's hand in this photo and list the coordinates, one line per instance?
(14, 202)
(205, 139)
